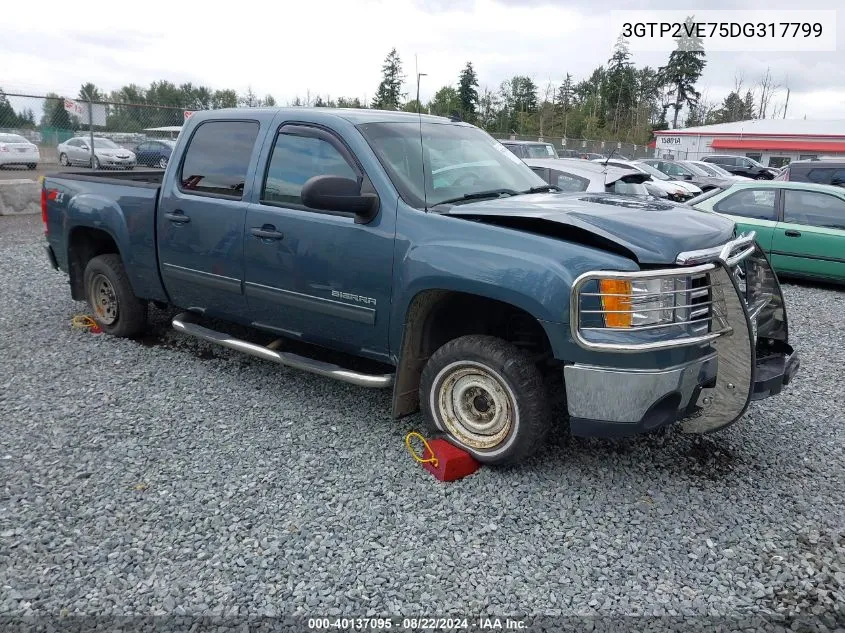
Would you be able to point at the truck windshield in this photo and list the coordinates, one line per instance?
(454, 162)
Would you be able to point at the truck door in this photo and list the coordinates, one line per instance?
(315, 275)
(201, 220)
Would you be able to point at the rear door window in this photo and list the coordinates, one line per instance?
(217, 159)
(758, 204)
(569, 182)
(814, 209)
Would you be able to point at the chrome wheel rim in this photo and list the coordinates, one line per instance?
(63, 160)
(475, 404)
(162, 162)
(104, 300)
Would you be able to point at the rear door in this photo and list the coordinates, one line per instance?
(810, 240)
(201, 219)
(315, 275)
(753, 209)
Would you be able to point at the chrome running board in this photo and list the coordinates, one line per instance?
(182, 323)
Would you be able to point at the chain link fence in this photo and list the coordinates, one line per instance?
(587, 148)
(49, 122)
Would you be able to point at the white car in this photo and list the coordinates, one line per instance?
(678, 190)
(107, 153)
(16, 150)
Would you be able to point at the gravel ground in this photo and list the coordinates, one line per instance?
(166, 477)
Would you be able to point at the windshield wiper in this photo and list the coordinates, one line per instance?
(542, 189)
(479, 195)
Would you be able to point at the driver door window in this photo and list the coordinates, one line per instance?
(294, 161)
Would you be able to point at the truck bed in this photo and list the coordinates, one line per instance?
(118, 204)
(132, 178)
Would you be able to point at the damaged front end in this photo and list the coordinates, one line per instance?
(726, 301)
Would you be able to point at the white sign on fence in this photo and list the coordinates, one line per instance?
(80, 109)
(668, 141)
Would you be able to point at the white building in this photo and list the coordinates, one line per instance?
(772, 142)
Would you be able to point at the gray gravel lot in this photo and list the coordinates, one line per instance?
(166, 476)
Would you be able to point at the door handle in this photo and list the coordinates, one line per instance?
(791, 233)
(266, 232)
(178, 217)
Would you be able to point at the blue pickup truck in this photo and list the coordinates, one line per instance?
(439, 265)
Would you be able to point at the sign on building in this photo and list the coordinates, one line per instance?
(668, 141)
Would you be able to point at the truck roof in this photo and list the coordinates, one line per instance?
(353, 115)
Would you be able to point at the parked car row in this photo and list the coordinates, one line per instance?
(799, 217)
(108, 154)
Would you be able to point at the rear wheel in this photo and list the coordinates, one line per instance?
(488, 397)
(116, 308)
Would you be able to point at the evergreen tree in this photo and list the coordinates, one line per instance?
(619, 85)
(680, 74)
(89, 90)
(8, 116)
(55, 115)
(468, 93)
(389, 94)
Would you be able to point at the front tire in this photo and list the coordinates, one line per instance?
(116, 308)
(488, 397)
(63, 161)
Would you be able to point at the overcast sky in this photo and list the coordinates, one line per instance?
(336, 47)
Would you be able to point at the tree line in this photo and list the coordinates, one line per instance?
(616, 101)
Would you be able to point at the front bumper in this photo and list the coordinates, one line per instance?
(745, 356)
(112, 161)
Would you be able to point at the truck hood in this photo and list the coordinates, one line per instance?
(648, 231)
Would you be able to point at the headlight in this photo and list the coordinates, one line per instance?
(632, 303)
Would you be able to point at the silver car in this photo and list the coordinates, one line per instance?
(575, 174)
(107, 153)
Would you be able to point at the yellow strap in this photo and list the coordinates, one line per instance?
(83, 320)
(417, 456)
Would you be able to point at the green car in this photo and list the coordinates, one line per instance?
(800, 226)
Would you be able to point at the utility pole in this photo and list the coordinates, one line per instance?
(90, 124)
(419, 74)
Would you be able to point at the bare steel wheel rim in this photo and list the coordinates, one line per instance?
(104, 299)
(475, 404)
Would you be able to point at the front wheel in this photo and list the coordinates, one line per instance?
(162, 162)
(63, 161)
(488, 397)
(116, 308)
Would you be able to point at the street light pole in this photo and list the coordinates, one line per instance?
(419, 74)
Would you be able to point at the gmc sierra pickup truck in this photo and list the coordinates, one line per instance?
(423, 249)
